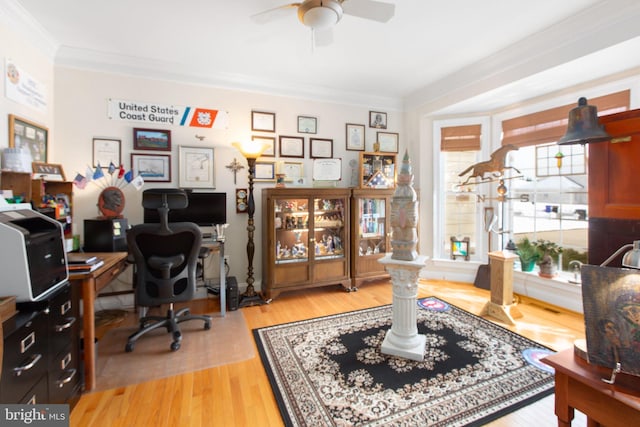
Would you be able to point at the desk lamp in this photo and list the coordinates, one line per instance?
(630, 259)
(251, 151)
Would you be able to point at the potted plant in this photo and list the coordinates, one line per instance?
(548, 253)
(528, 253)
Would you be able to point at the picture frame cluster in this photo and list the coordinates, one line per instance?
(280, 157)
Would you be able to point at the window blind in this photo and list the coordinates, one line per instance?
(550, 125)
(460, 138)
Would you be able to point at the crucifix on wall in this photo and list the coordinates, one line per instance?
(235, 166)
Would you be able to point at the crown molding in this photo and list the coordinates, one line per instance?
(603, 25)
(14, 16)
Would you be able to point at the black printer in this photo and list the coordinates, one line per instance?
(33, 262)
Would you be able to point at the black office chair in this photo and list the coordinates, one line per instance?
(166, 258)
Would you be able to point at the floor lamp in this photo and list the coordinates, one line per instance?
(251, 151)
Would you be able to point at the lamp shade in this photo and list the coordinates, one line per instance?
(251, 149)
(632, 258)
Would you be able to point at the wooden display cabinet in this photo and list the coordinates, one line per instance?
(377, 170)
(370, 234)
(62, 191)
(18, 182)
(306, 240)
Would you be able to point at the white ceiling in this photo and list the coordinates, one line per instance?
(430, 52)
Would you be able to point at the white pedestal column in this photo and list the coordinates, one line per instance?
(403, 339)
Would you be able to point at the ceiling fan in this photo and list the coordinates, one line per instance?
(322, 15)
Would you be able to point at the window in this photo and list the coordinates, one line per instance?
(459, 148)
(549, 198)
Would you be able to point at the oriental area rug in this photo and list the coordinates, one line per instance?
(329, 371)
(228, 341)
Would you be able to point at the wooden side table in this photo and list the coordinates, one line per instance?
(579, 386)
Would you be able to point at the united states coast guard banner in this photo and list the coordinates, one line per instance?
(175, 115)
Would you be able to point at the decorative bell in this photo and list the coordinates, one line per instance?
(583, 126)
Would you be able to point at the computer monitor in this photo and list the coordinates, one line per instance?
(205, 209)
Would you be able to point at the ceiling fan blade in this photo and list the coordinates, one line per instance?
(273, 14)
(369, 9)
(322, 37)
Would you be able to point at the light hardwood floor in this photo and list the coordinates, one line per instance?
(239, 394)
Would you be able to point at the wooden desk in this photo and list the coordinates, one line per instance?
(91, 283)
(579, 386)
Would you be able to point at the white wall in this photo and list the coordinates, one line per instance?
(38, 65)
(81, 115)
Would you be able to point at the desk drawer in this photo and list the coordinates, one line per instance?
(63, 321)
(64, 376)
(105, 278)
(37, 395)
(25, 358)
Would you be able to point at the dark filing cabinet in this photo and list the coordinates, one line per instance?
(105, 235)
(41, 362)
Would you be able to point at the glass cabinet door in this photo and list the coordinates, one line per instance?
(329, 228)
(291, 225)
(371, 228)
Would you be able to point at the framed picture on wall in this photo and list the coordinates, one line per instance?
(388, 142)
(152, 167)
(291, 146)
(377, 120)
(151, 139)
(307, 124)
(196, 167)
(263, 121)
(321, 148)
(47, 171)
(270, 141)
(265, 171)
(29, 135)
(106, 151)
(355, 137)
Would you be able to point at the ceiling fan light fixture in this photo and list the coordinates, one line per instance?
(320, 14)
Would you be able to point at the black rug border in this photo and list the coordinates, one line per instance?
(277, 394)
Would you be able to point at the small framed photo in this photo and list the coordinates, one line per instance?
(291, 170)
(30, 136)
(152, 167)
(291, 146)
(196, 167)
(355, 137)
(47, 171)
(388, 142)
(263, 122)
(377, 120)
(265, 171)
(270, 141)
(151, 139)
(106, 151)
(460, 248)
(307, 124)
(321, 148)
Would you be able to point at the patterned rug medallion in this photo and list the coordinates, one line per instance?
(329, 371)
